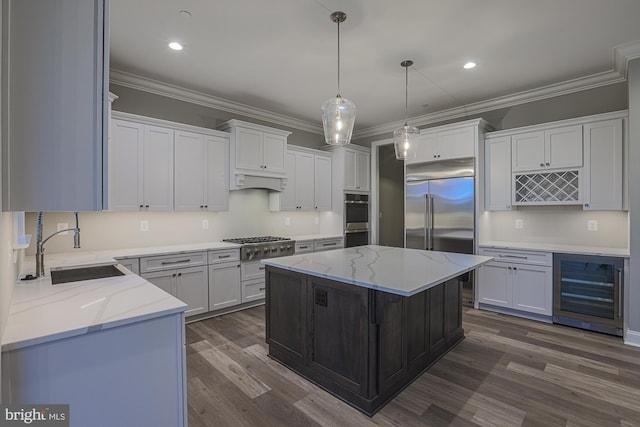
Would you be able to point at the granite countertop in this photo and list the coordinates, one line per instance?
(41, 312)
(551, 247)
(399, 271)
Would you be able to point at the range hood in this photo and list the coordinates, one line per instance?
(245, 181)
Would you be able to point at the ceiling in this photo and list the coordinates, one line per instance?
(281, 55)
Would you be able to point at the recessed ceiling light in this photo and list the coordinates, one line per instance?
(469, 65)
(175, 46)
(185, 14)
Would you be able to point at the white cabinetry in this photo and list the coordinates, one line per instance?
(201, 172)
(55, 104)
(140, 167)
(224, 278)
(445, 143)
(554, 148)
(520, 281)
(498, 173)
(253, 280)
(328, 244)
(308, 182)
(256, 152)
(130, 263)
(351, 169)
(603, 174)
(181, 275)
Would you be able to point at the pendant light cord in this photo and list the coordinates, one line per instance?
(338, 59)
(406, 95)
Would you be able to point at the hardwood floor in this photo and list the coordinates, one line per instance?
(506, 372)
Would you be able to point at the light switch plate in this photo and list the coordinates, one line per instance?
(592, 225)
(144, 225)
(205, 224)
(317, 220)
(287, 221)
(519, 223)
(62, 226)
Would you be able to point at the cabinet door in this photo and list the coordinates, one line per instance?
(350, 170)
(456, 144)
(125, 166)
(189, 171)
(494, 284)
(224, 285)
(55, 87)
(253, 290)
(603, 165)
(322, 183)
(165, 280)
(563, 147)
(532, 289)
(273, 152)
(288, 195)
(217, 173)
(425, 150)
(305, 199)
(248, 146)
(192, 288)
(362, 178)
(158, 168)
(498, 174)
(527, 151)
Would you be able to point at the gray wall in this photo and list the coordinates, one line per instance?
(390, 198)
(161, 107)
(633, 303)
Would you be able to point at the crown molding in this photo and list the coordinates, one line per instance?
(157, 87)
(622, 54)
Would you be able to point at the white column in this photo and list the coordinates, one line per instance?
(632, 312)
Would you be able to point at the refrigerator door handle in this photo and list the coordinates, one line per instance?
(428, 244)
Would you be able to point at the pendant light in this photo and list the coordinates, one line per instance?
(405, 137)
(338, 114)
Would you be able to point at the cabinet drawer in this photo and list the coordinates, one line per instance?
(223, 255)
(518, 256)
(327, 244)
(165, 262)
(304, 246)
(253, 290)
(252, 270)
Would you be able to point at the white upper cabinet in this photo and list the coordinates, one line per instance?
(445, 143)
(157, 169)
(201, 172)
(55, 104)
(256, 152)
(351, 169)
(308, 182)
(554, 148)
(498, 173)
(603, 174)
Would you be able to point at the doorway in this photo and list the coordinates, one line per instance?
(390, 198)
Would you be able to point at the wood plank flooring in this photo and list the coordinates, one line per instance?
(506, 372)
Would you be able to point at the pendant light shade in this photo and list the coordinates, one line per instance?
(405, 138)
(338, 114)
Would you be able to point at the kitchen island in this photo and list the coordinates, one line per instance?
(364, 322)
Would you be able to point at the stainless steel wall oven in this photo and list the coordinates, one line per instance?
(356, 220)
(588, 292)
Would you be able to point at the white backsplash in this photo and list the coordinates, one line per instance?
(556, 225)
(248, 215)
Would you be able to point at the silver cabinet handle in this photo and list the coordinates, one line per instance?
(223, 256)
(261, 289)
(176, 262)
(261, 268)
(620, 292)
(329, 244)
(512, 256)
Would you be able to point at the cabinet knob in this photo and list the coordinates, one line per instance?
(141, 206)
(201, 206)
(174, 275)
(515, 268)
(438, 155)
(146, 206)
(179, 274)
(434, 156)
(206, 206)
(541, 164)
(586, 205)
(548, 164)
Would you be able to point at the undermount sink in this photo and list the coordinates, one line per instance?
(78, 274)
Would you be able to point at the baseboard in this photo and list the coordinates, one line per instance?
(632, 338)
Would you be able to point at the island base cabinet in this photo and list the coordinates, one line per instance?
(128, 375)
(362, 345)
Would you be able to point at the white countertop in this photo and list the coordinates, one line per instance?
(550, 247)
(41, 312)
(399, 271)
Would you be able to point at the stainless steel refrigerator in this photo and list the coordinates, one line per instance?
(439, 210)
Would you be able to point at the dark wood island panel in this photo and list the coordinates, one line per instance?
(362, 345)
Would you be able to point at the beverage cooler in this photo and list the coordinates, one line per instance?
(588, 292)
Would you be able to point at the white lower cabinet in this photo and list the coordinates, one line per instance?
(224, 285)
(328, 244)
(517, 280)
(253, 290)
(189, 285)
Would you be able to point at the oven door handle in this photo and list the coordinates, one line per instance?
(356, 202)
(361, 230)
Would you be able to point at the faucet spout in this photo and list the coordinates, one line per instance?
(40, 242)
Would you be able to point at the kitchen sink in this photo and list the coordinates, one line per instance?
(78, 274)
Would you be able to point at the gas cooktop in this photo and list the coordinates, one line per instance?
(257, 239)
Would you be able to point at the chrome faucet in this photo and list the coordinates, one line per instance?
(40, 243)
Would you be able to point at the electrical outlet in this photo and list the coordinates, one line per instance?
(519, 223)
(592, 225)
(62, 226)
(317, 220)
(144, 225)
(287, 221)
(205, 224)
